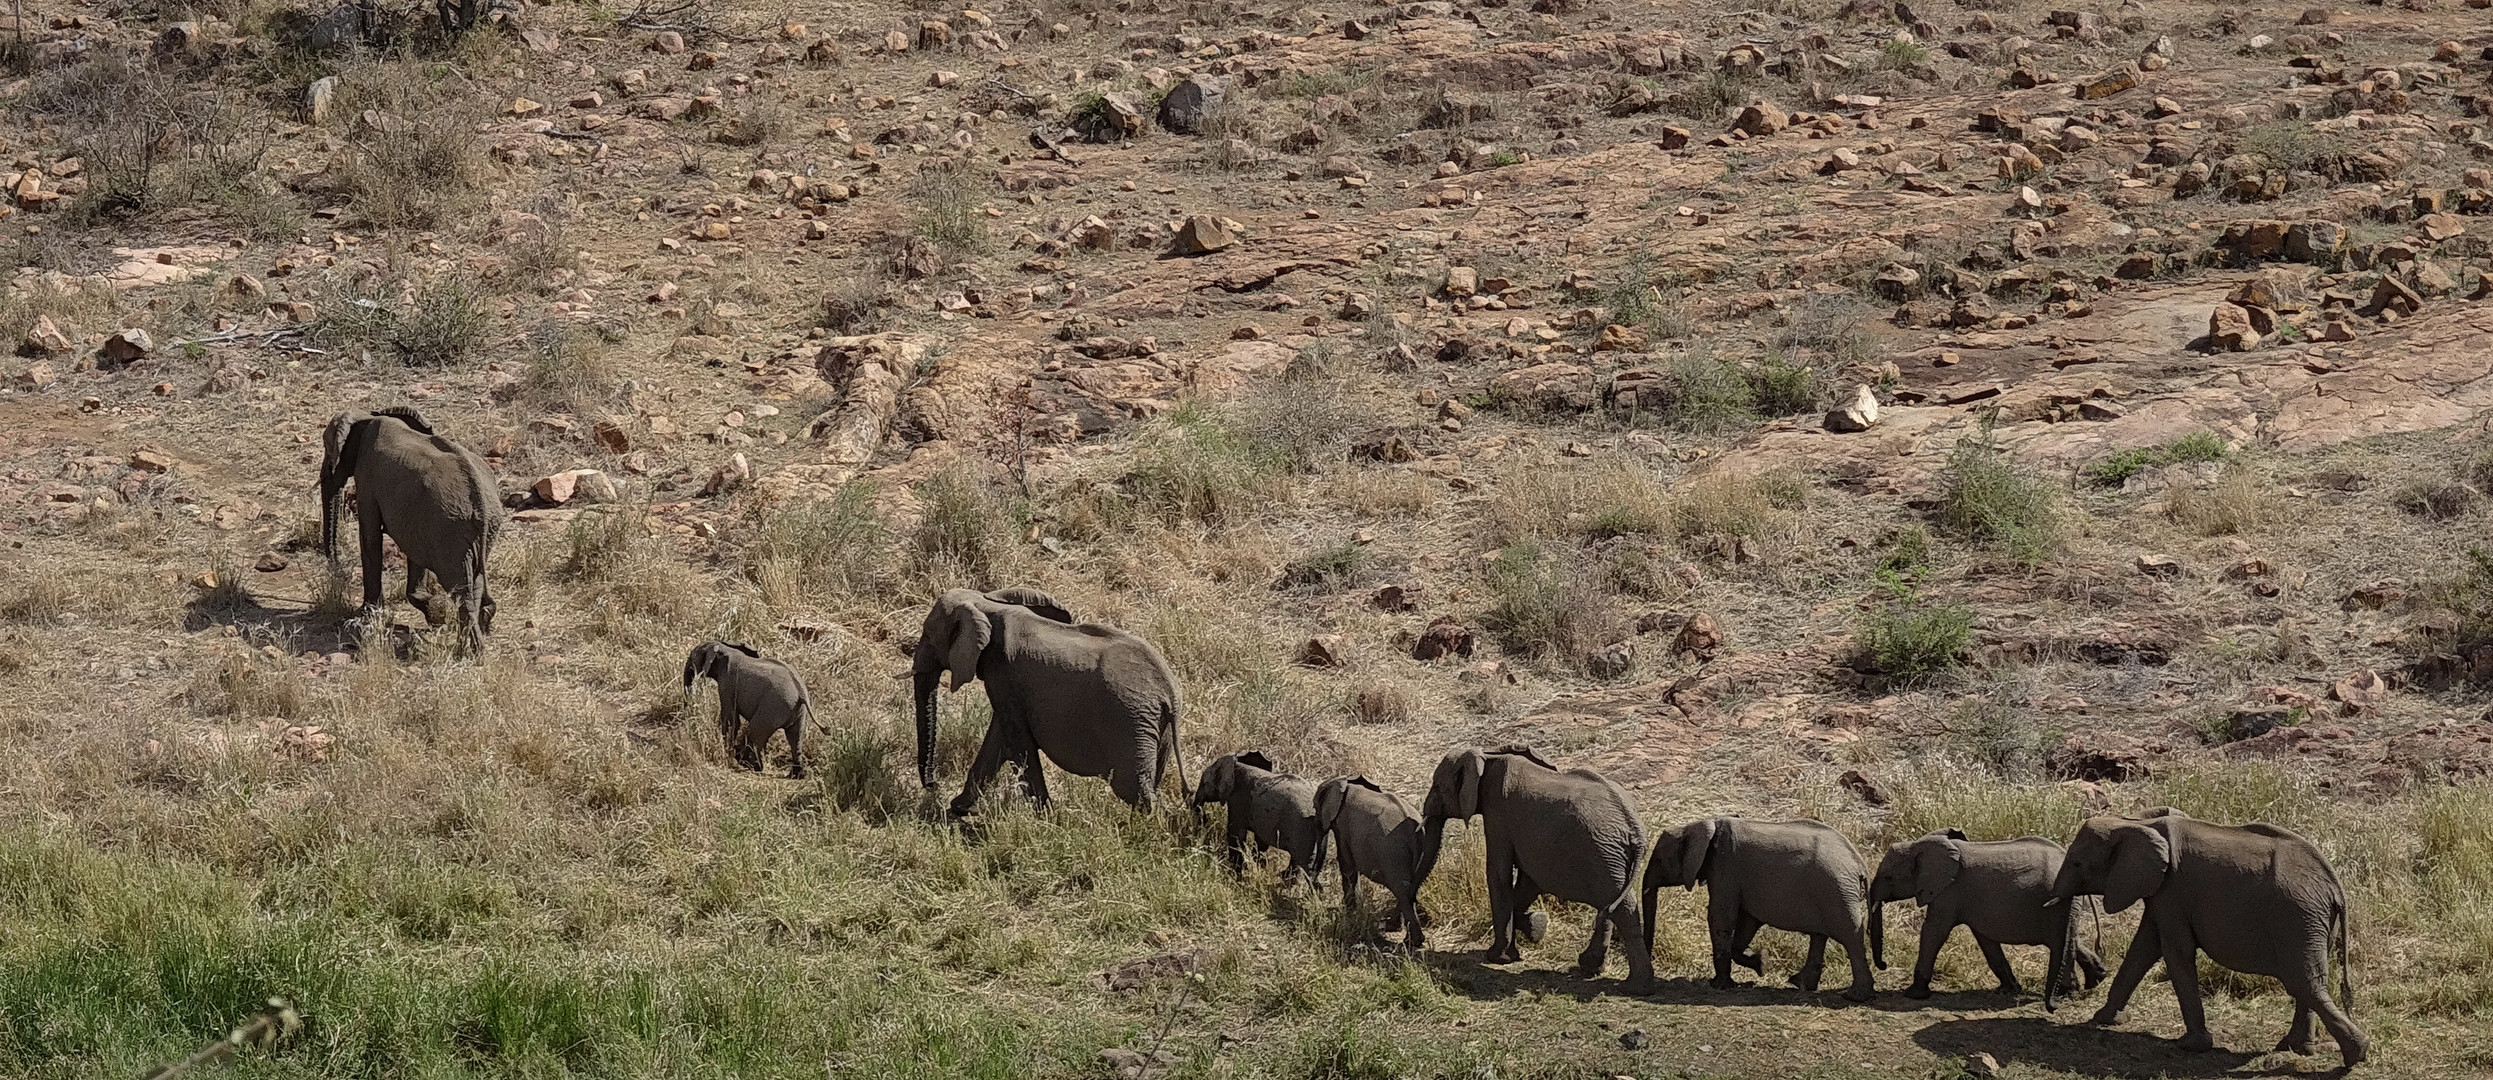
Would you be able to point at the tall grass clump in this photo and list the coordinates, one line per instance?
(966, 532)
(1944, 792)
(1989, 500)
(1543, 604)
(1913, 638)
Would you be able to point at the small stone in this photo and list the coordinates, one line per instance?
(1634, 1040)
(1615, 338)
(1204, 234)
(1611, 661)
(45, 338)
(668, 42)
(2229, 329)
(1859, 783)
(1323, 650)
(2360, 692)
(1700, 637)
(154, 461)
(728, 477)
(1979, 1064)
(1761, 118)
(2164, 566)
(270, 563)
(1462, 281)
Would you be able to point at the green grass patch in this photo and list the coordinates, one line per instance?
(2113, 471)
(1988, 500)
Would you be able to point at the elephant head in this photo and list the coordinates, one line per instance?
(1683, 856)
(1918, 870)
(1222, 777)
(2125, 860)
(337, 466)
(1332, 795)
(1454, 792)
(711, 658)
(958, 628)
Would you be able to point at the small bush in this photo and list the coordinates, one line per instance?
(1988, 500)
(1543, 604)
(1337, 567)
(1943, 793)
(965, 533)
(2435, 500)
(2238, 502)
(838, 547)
(1708, 395)
(1912, 638)
(1831, 328)
(1195, 464)
(1716, 95)
(759, 120)
(37, 600)
(601, 542)
(1298, 422)
(947, 208)
(415, 160)
(1380, 705)
(1726, 503)
(1781, 388)
(2117, 469)
(436, 323)
(568, 369)
(1904, 56)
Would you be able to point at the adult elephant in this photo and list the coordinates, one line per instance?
(1096, 700)
(2256, 898)
(2001, 890)
(1571, 834)
(436, 498)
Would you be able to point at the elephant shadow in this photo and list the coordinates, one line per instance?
(2081, 1049)
(298, 628)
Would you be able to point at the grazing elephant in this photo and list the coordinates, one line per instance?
(1276, 808)
(1096, 700)
(2255, 898)
(1377, 837)
(1792, 875)
(756, 697)
(435, 497)
(1571, 834)
(2000, 890)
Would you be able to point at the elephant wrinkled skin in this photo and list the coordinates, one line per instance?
(1792, 875)
(2255, 898)
(756, 698)
(1096, 700)
(1999, 890)
(434, 496)
(1571, 834)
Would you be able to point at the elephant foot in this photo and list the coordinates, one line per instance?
(1858, 992)
(1917, 991)
(1497, 955)
(2355, 1050)
(1721, 982)
(1414, 942)
(796, 772)
(2197, 1042)
(2106, 1017)
(1804, 980)
(2291, 1045)
(1586, 969)
(1534, 926)
(1642, 985)
(2012, 987)
(1752, 961)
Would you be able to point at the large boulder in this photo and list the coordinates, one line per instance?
(2229, 329)
(1189, 102)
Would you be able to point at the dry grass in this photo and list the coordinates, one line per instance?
(2239, 502)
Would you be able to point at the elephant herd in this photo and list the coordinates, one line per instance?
(1100, 701)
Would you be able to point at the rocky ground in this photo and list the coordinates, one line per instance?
(1900, 414)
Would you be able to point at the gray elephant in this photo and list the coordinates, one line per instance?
(1096, 700)
(757, 698)
(1376, 836)
(2255, 898)
(435, 497)
(1792, 875)
(1571, 834)
(2000, 890)
(1274, 807)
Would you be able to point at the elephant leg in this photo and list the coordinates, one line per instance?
(472, 617)
(1502, 892)
(1806, 979)
(2145, 948)
(1629, 917)
(1935, 931)
(1407, 903)
(983, 768)
(2089, 965)
(1992, 955)
(1033, 778)
(1236, 842)
(1722, 929)
(796, 746)
(1596, 954)
(1857, 949)
(2311, 996)
(1743, 936)
(730, 722)
(2181, 965)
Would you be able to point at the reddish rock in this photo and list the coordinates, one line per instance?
(1700, 637)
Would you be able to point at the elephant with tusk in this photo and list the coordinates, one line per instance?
(1096, 700)
(435, 497)
(2255, 898)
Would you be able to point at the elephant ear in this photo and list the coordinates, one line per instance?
(1953, 833)
(2141, 857)
(1329, 799)
(1035, 600)
(1455, 790)
(695, 663)
(968, 635)
(1699, 841)
(1936, 862)
(1256, 759)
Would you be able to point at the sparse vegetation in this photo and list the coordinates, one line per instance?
(2240, 501)
(1544, 604)
(1912, 637)
(2117, 469)
(1988, 500)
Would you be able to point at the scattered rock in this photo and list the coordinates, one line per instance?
(2229, 329)
(1611, 661)
(562, 487)
(1188, 102)
(2163, 566)
(1700, 637)
(1980, 1064)
(1859, 783)
(2362, 691)
(1204, 234)
(44, 338)
(1857, 414)
(1324, 650)
(270, 563)
(1761, 118)
(128, 346)
(1444, 637)
(728, 477)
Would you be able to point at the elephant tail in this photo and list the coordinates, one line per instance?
(337, 466)
(2345, 970)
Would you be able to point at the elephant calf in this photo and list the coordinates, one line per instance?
(1791, 875)
(1276, 808)
(756, 698)
(1375, 836)
(2000, 890)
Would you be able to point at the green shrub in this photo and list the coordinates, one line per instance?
(948, 210)
(1988, 500)
(1195, 464)
(2115, 470)
(1911, 638)
(1541, 604)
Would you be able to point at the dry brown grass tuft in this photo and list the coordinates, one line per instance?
(413, 159)
(2239, 502)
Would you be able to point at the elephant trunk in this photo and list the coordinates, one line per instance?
(1878, 933)
(927, 680)
(1432, 841)
(2062, 948)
